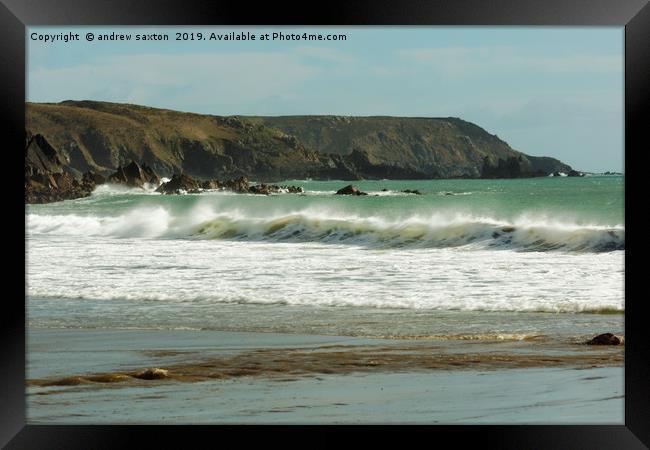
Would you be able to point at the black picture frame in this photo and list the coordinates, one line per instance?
(15, 15)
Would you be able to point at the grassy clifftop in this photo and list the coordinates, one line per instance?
(101, 136)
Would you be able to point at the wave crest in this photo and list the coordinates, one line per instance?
(436, 231)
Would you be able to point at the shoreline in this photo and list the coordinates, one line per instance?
(239, 364)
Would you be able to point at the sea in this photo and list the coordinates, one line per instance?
(465, 259)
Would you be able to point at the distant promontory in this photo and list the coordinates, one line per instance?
(100, 137)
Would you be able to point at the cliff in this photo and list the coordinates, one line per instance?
(99, 137)
(47, 178)
(436, 147)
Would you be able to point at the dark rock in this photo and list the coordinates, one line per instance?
(293, 189)
(92, 179)
(604, 339)
(179, 183)
(134, 175)
(183, 183)
(350, 190)
(412, 191)
(575, 173)
(40, 156)
(264, 189)
(150, 175)
(152, 374)
(45, 178)
(53, 188)
(360, 164)
(516, 167)
(65, 181)
(211, 184)
(267, 189)
(238, 185)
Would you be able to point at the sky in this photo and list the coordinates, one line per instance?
(546, 91)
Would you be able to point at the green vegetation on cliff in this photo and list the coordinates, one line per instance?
(101, 136)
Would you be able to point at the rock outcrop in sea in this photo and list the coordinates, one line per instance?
(182, 183)
(350, 190)
(605, 339)
(135, 175)
(49, 179)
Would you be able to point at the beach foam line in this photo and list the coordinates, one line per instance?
(469, 337)
(48, 293)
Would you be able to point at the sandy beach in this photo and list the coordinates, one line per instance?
(91, 377)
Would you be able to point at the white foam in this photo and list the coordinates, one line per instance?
(327, 225)
(194, 274)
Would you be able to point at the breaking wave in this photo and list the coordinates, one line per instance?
(433, 231)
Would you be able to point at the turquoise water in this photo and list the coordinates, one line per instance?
(597, 200)
(528, 245)
(591, 200)
(532, 214)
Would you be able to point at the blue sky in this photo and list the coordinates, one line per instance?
(552, 91)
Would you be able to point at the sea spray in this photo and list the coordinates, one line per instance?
(326, 225)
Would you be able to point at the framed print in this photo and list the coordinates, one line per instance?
(367, 214)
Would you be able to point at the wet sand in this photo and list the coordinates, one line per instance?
(91, 376)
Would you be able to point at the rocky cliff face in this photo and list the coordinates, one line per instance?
(432, 147)
(101, 137)
(46, 178)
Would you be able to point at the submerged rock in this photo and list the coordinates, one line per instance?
(412, 191)
(350, 190)
(575, 173)
(604, 339)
